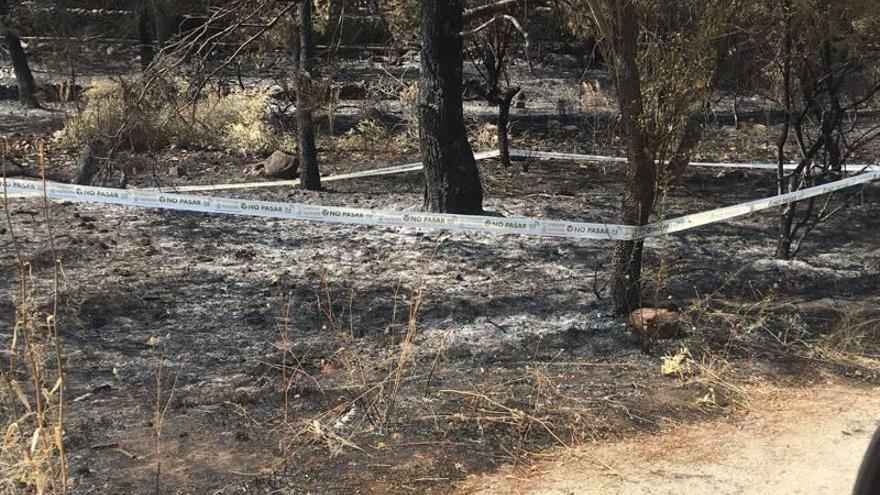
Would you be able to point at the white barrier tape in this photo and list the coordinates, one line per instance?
(687, 222)
(435, 221)
(854, 167)
(257, 185)
(516, 153)
(396, 169)
(294, 211)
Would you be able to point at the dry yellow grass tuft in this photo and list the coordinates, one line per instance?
(140, 116)
(32, 454)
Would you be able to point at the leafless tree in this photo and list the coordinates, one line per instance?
(494, 41)
(830, 76)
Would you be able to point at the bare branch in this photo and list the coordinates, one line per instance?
(490, 8)
(504, 17)
(268, 26)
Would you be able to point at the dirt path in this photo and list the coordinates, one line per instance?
(805, 442)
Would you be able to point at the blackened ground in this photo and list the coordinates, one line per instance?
(513, 350)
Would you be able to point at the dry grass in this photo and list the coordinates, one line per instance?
(763, 326)
(741, 319)
(484, 136)
(370, 394)
(854, 340)
(409, 99)
(486, 410)
(852, 344)
(164, 393)
(386, 96)
(528, 409)
(368, 134)
(32, 456)
(139, 116)
(709, 373)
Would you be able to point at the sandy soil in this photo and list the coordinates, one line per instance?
(798, 442)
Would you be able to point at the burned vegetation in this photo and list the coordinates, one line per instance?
(389, 246)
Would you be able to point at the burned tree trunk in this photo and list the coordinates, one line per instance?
(641, 175)
(452, 180)
(165, 23)
(146, 29)
(823, 151)
(783, 244)
(309, 175)
(503, 130)
(24, 79)
(27, 88)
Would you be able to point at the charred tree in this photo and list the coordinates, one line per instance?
(164, 22)
(146, 30)
(783, 244)
(452, 180)
(24, 79)
(641, 174)
(493, 45)
(822, 107)
(503, 130)
(659, 115)
(309, 176)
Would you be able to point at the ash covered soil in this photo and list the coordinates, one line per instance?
(514, 348)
